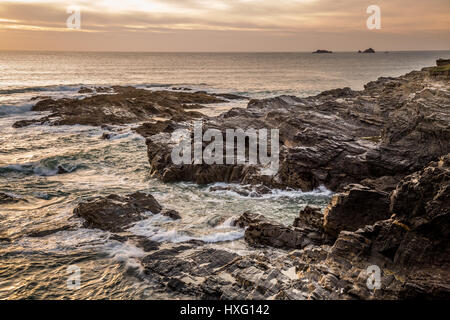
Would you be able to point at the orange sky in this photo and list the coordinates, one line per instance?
(224, 25)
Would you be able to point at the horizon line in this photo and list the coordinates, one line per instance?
(156, 51)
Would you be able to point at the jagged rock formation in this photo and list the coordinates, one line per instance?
(385, 149)
(123, 105)
(114, 213)
(393, 127)
(370, 50)
(355, 208)
(410, 248)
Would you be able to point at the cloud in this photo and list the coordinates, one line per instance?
(282, 18)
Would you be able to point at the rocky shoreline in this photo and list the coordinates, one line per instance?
(384, 150)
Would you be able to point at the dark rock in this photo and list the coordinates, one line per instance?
(248, 218)
(261, 231)
(149, 129)
(85, 90)
(103, 89)
(443, 62)
(26, 123)
(310, 216)
(126, 105)
(8, 198)
(274, 235)
(107, 135)
(146, 244)
(355, 208)
(394, 127)
(385, 183)
(115, 213)
(370, 50)
(421, 204)
(181, 89)
(47, 232)
(322, 51)
(245, 191)
(410, 249)
(62, 170)
(171, 214)
(40, 98)
(412, 244)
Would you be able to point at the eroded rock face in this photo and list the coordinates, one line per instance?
(115, 213)
(421, 204)
(310, 216)
(355, 208)
(204, 272)
(393, 127)
(411, 248)
(263, 232)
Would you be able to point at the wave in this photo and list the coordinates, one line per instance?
(50, 88)
(176, 237)
(250, 191)
(153, 228)
(77, 87)
(125, 253)
(7, 109)
(44, 168)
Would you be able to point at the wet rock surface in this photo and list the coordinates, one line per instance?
(115, 213)
(394, 127)
(123, 105)
(302, 261)
(355, 208)
(47, 232)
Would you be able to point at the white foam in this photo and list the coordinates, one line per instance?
(170, 236)
(223, 236)
(125, 253)
(128, 134)
(228, 223)
(322, 191)
(153, 228)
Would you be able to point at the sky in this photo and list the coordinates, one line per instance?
(224, 25)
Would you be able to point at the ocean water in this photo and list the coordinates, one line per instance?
(36, 268)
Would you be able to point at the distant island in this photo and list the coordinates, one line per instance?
(322, 51)
(370, 50)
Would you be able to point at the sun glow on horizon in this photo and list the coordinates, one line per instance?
(192, 21)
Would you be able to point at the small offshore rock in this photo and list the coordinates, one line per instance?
(114, 213)
(171, 214)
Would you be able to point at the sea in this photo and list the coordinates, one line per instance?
(39, 267)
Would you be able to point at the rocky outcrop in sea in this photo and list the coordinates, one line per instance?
(373, 137)
(384, 150)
